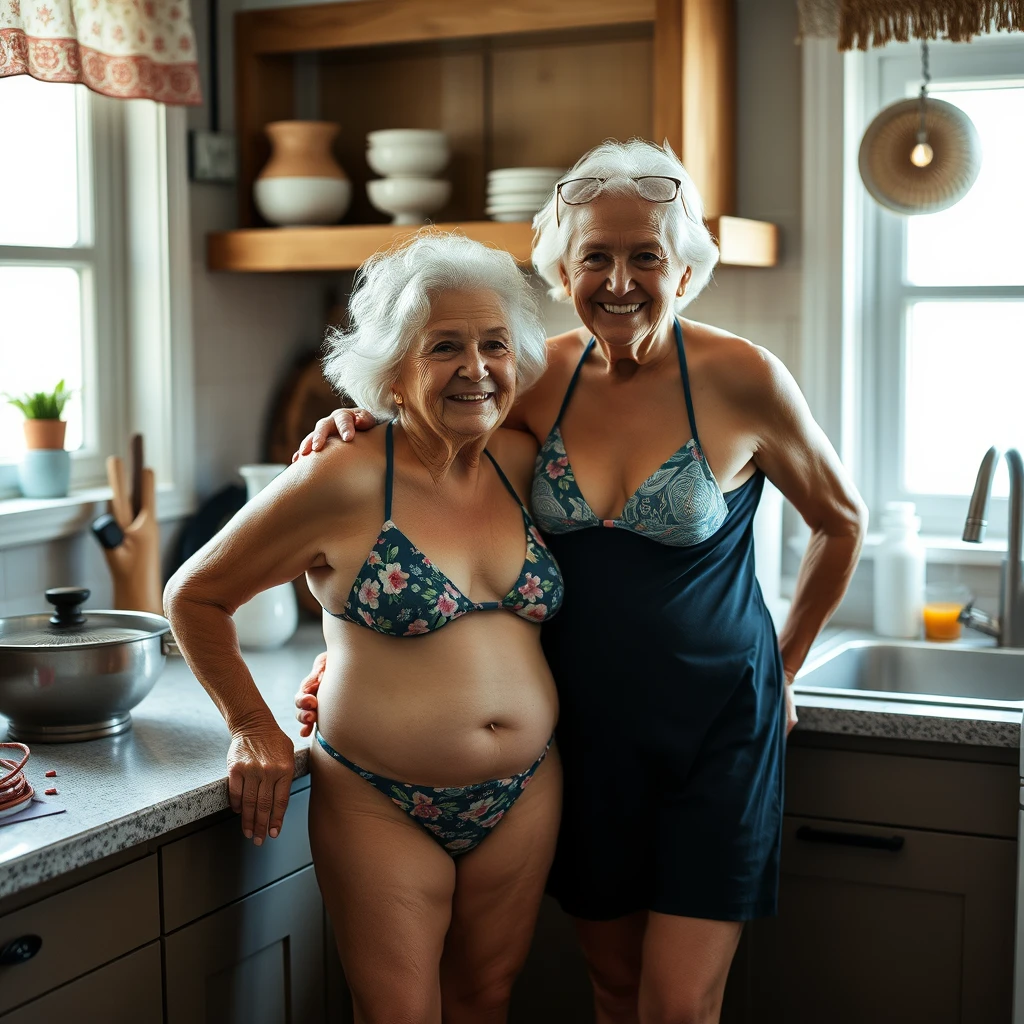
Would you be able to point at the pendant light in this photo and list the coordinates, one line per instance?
(920, 155)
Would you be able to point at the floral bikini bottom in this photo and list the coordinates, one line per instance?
(458, 817)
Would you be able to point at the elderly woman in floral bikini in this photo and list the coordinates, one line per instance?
(675, 691)
(432, 877)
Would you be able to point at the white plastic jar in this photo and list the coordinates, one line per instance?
(900, 573)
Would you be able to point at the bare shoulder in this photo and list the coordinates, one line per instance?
(343, 472)
(515, 451)
(736, 368)
(567, 347)
(533, 410)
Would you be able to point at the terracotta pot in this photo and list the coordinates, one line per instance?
(44, 434)
(302, 183)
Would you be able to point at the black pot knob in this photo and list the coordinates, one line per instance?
(68, 601)
(18, 950)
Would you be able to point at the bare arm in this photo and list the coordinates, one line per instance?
(272, 540)
(798, 458)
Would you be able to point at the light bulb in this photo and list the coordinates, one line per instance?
(921, 155)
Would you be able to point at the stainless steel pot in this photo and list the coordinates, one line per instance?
(72, 676)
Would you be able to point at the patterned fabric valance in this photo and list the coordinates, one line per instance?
(864, 23)
(129, 49)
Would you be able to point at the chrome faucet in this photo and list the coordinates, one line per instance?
(1009, 626)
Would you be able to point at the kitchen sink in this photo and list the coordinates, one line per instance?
(917, 671)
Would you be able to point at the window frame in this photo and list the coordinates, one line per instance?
(140, 330)
(893, 73)
(839, 351)
(98, 258)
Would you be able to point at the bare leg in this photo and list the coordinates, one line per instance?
(613, 951)
(497, 897)
(685, 966)
(388, 889)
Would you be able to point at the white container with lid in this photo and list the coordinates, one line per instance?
(900, 573)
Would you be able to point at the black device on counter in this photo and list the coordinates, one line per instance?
(107, 531)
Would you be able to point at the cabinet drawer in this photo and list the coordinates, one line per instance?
(82, 928)
(913, 792)
(218, 865)
(128, 991)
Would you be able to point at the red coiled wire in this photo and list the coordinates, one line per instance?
(14, 787)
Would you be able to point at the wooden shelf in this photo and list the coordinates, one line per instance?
(748, 243)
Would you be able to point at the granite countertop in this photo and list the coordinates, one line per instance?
(169, 770)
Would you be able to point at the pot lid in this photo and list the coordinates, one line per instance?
(68, 626)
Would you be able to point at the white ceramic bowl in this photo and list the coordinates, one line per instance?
(407, 152)
(510, 216)
(407, 137)
(408, 200)
(300, 202)
(401, 161)
(548, 173)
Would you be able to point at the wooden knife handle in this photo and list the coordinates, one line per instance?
(135, 458)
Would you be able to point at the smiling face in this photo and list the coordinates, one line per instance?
(619, 269)
(459, 376)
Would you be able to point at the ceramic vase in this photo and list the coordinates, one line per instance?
(44, 471)
(271, 617)
(302, 184)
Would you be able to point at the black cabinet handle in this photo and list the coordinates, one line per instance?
(17, 951)
(807, 834)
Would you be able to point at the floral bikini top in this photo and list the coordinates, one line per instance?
(400, 592)
(680, 504)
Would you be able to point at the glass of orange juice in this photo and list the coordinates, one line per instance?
(943, 603)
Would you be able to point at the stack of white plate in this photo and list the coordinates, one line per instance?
(517, 193)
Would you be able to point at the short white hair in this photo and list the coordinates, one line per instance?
(686, 234)
(391, 303)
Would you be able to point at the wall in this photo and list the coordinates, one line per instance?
(249, 328)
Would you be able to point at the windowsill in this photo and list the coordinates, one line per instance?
(941, 550)
(37, 520)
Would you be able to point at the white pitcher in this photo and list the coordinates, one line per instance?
(270, 618)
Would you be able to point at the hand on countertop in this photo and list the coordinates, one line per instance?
(305, 699)
(261, 764)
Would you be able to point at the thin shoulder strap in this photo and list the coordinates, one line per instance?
(572, 383)
(389, 479)
(686, 381)
(504, 479)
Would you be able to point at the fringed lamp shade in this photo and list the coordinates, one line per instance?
(887, 158)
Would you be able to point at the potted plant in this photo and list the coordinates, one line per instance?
(45, 469)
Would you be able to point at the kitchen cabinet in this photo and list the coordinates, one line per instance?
(511, 83)
(74, 932)
(890, 909)
(257, 961)
(127, 991)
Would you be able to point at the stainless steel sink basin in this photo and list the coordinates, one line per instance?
(922, 672)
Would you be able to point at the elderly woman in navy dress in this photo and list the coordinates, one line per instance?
(656, 434)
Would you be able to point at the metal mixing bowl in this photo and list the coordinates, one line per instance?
(73, 676)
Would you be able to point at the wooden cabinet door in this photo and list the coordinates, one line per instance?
(127, 991)
(257, 961)
(885, 924)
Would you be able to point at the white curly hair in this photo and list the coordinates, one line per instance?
(391, 302)
(685, 232)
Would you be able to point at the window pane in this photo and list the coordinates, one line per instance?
(964, 392)
(39, 126)
(978, 241)
(40, 342)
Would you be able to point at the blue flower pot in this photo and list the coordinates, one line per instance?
(45, 473)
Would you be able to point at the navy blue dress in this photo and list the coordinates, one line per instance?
(672, 724)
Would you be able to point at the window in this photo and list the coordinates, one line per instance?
(943, 331)
(95, 281)
(60, 253)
